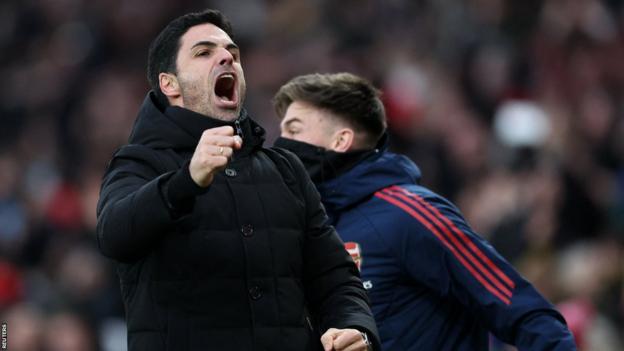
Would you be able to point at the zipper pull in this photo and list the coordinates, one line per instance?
(239, 130)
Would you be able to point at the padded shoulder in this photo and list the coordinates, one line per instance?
(161, 161)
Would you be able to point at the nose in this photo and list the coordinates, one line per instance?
(225, 57)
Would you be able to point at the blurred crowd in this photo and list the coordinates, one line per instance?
(512, 109)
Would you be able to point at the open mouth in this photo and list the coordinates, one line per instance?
(225, 89)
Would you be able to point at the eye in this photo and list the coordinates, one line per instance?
(202, 53)
(235, 55)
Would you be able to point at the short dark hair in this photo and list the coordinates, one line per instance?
(353, 99)
(163, 51)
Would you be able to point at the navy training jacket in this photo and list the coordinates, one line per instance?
(433, 282)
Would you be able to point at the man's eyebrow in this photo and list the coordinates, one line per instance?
(230, 46)
(204, 43)
(291, 121)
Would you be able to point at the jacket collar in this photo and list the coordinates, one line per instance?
(181, 129)
(372, 174)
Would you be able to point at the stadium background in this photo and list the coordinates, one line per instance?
(512, 109)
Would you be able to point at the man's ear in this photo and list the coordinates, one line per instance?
(169, 86)
(343, 140)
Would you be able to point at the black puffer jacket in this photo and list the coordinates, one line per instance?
(248, 264)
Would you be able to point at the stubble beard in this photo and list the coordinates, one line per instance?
(198, 98)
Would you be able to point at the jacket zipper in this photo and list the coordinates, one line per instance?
(239, 132)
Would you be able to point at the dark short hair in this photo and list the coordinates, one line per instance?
(353, 99)
(163, 51)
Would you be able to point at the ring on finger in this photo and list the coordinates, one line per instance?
(220, 150)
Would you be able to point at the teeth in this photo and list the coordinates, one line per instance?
(227, 75)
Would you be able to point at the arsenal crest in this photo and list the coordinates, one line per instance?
(354, 250)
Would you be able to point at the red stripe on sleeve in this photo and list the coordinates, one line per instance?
(454, 240)
(435, 231)
(464, 238)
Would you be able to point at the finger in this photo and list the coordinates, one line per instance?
(238, 142)
(223, 130)
(347, 338)
(327, 339)
(359, 345)
(214, 162)
(216, 150)
(221, 151)
(219, 140)
(220, 162)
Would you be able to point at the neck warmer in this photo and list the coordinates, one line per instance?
(321, 164)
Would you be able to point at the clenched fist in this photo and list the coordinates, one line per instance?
(344, 340)
(212, 154)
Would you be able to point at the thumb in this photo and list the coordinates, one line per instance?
(327, 339)
(238, 142)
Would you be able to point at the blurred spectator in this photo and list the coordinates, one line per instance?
(25, 327)
(65, 331)
(11, 283)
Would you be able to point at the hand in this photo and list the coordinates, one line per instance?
(212, 154)
(343, 340)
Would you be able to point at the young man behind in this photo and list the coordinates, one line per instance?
(433, 282)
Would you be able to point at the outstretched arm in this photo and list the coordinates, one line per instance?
(470, 270)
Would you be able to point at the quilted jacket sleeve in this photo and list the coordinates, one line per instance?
(441, 251)
(132, 211)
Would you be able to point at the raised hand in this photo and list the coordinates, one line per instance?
(212, 154)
